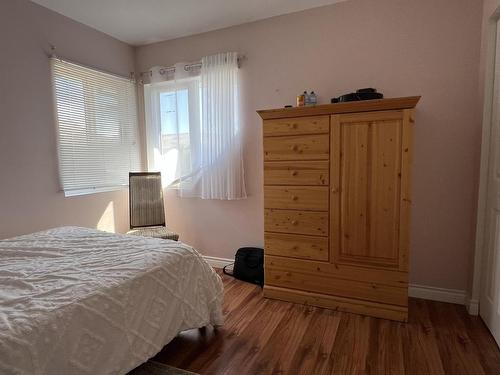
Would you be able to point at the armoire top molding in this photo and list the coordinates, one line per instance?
(346, 107)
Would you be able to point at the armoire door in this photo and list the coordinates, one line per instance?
(370, 189)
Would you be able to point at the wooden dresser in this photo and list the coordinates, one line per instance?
(337, 205)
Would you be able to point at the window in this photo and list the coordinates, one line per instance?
(176, 119)
(193, 129)
(97, 128)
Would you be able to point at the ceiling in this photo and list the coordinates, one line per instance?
(147, 21)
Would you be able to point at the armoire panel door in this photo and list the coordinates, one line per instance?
(370, 159)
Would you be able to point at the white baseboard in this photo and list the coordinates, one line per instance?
(414, 290)
(472, 306)
(437, 294)
(217, 262)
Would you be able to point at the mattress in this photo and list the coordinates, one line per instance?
(81, 301)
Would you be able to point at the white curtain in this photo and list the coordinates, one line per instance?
(222, 175)
(193, 129)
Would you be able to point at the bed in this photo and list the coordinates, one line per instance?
(81, 301)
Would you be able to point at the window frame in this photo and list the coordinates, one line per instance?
(152, 92)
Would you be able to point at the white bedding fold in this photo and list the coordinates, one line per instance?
(81, 301)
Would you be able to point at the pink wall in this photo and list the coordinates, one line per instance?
(402, 47)
(29, 197)
(426, 47)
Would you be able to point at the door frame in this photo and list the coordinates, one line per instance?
(490, 32)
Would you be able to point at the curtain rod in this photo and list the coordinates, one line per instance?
(53, 55)
(170, 69)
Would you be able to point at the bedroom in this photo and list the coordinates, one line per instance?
(441, 51)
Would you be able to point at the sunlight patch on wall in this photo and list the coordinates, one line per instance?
(107, 220)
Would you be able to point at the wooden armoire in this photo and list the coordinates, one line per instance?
(337, 205)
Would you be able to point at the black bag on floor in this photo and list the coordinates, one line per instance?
(248, 265)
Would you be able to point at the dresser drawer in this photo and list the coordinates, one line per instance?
(297, 147)
(296, 246)
(299, 125)
(296, 173)
(310, 198)
(296, 222)
(329, 285)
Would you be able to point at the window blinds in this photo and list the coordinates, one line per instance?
(97, 128)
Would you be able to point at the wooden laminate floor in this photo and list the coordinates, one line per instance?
(264, 336)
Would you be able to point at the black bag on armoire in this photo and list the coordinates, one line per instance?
(248, 265)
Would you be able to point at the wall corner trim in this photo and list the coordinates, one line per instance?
(415, 290)
(472, 306)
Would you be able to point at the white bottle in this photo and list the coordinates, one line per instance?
(312, 98)
(306, 98)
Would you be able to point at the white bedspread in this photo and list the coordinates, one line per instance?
(81, 301)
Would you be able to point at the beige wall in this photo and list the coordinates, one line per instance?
(426, 47)
(29, 197)
(402, 47)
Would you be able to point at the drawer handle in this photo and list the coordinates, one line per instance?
(294, 198)
(295, 173)
(295, 222)
(294, 126)
(295, 148)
